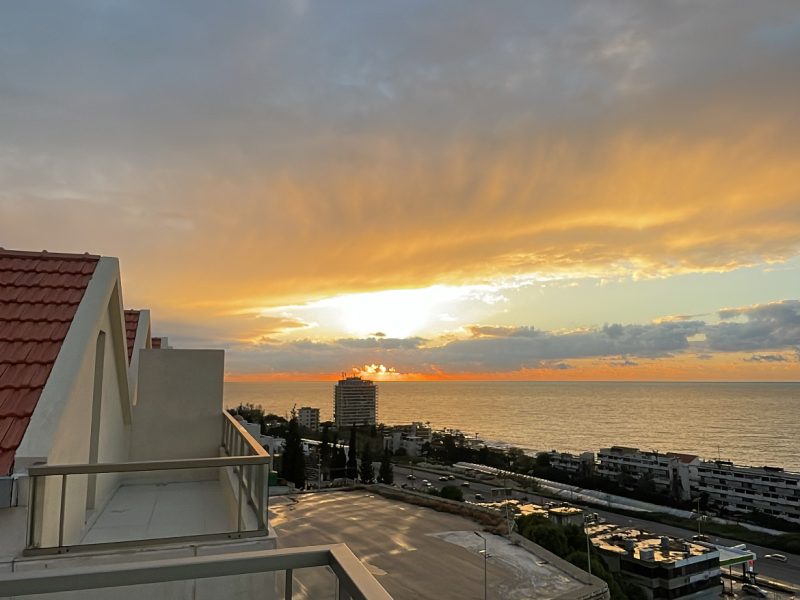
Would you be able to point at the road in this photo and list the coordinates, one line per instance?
(788, 572)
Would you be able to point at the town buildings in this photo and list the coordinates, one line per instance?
(581, 465)
(669, 473)
(736, 488)
(308, 417)
(408, 438)
(355, 402)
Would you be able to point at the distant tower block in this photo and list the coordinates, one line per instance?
(355, 402)
(308, 417)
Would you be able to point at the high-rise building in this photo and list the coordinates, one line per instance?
(308, 417)
(355, 402)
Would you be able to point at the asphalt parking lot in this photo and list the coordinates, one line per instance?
(414, 552)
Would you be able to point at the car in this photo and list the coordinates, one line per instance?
(700, 538)
(442, 478)
(753, 590)
(451, 477)
(411, 477)
(465, 484)
(478, 496)
(778, 557)
(427, 484)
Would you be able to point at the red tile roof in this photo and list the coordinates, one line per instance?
(39, 294)
(131, 323)
(156, 342)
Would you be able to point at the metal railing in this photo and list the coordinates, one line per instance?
(252, 488)
(353, 580)
(254, 480)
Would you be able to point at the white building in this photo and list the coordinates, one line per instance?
(769, 490)
(578, 464)
(355, 402)
(118, 464)
(411, 438)
(670, 473)
(308, 417)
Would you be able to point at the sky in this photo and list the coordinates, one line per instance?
(423, 190)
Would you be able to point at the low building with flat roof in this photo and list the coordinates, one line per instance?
(662, 566)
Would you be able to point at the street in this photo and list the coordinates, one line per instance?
(788, 572)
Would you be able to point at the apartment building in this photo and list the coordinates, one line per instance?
(355, 402)
(577, 464)
(118, 463)
(410, 438)
(662, 566)
(770, 490)
(308, 417)
(670, 473)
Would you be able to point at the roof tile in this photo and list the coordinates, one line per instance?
(39, 295)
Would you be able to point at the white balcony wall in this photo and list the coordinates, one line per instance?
(178, 413)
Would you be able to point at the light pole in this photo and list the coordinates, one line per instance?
(485, 578)
(588, 549)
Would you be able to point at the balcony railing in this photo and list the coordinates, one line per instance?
(36, 507)
(353, 580)
(254, 479)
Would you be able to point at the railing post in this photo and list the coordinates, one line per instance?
(241, 490)
(261, 483)
(61, 511)
(34, 480)
(287, 593)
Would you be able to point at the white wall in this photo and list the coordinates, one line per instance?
(179, 410)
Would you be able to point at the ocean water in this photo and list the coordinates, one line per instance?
(748, 423)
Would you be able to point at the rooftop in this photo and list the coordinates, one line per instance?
(39, 295)
(416, 552)
(131, 323)
(644, 545)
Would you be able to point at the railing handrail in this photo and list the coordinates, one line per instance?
(257, 448)
(147, 465)
(353, 576)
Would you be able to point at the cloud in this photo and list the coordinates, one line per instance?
(597, 138)
(767, 358)
(765, 326)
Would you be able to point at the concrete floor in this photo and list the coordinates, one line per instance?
(413, 552)
(146, 511)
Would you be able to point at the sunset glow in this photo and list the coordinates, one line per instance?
(586, 191)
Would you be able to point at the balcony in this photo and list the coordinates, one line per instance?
(151, 502)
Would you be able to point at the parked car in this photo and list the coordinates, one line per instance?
(700, 538)
(411, 477)
(442, 478)
(465, 484)
(451, 477)
(778, 557)
(478, 496)
(753, 590)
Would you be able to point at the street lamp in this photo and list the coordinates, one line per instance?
(485, 578)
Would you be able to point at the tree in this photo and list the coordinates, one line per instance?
(338, 463)
(452, 492)
(386, 472)
(367, 471)
(325, 451)
(352, 461)
(293, 464)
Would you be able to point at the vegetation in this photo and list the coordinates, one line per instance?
(351, 471)
(366, 471)
(452, 492)
(386, 472)
(271, 424)
(325, 452)
(293, 463)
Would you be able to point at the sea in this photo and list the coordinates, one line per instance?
(748, 423)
